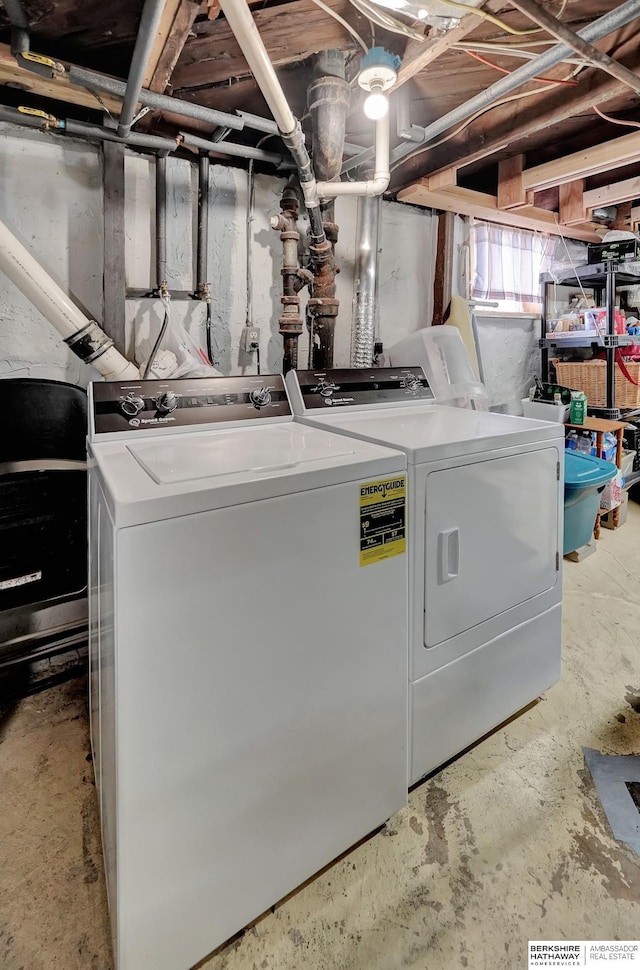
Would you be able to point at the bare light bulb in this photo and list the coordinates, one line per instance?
(376, 105)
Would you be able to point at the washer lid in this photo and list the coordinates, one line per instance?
(172, 460)
(172, 475)
(433, 432)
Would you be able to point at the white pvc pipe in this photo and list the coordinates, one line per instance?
(54, 304)
(246, 33)
(380, 181)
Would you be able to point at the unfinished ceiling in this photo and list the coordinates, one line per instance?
(196, 58)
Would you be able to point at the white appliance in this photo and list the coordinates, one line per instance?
(248, 693)
(485, 540)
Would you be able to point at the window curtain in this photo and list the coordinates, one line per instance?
(508, 263)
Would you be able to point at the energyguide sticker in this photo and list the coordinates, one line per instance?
(383, 519)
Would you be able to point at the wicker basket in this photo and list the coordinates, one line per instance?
(590, 376)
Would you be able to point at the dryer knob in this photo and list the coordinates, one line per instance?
(260, 397)
(167, 402)
(132, 405)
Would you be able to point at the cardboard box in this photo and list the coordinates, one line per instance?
(606, 519)
(612, 495)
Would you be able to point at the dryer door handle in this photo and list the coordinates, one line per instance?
(448, 555)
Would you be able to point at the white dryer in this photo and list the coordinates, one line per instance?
(485, 541)
(248, 695)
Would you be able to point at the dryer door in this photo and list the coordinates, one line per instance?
(491, 539)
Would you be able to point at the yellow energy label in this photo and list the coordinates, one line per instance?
(383, 519)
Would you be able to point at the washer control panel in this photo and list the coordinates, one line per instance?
(349, 388)
(144, 405)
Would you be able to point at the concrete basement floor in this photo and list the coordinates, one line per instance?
(507, 844)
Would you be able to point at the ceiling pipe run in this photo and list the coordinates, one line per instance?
(591, 54)
(82, 335)
(154, 143)
(162, 102)
(600, 28)
(239, 151)
(145, 39)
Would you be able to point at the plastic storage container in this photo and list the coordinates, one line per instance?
(443, 355)
(584, 479)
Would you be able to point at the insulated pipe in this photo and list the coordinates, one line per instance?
(202, 286)
(19, 26)
(162, 102)
(161, 225)
(136, 140)
(591, 54)
(246, 33)
(145, 39)
(380, 181)
(365, 296)
(237, 151)
(82, 335)
(611, 21)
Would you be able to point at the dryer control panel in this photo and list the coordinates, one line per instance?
(349, 388)
(191, 402)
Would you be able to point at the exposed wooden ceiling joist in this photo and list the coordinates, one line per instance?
(59, 89)
(483, 206)
(625, 191)
(176, 24)
(601, 158)
(417, 55)
(512, 123)
(291, 32)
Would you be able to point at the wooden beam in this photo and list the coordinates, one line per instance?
(290, 32)
(113, 279)
(511, 191)
(592, 161)
(443, 279)
(625, 191)
(572, 208)
(175, 27)
(511, 123)
(418, 55)
(446, 179)
(482, 206)
(59, 89)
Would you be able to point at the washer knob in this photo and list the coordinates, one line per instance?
(260, 397)
(326, 390)
(132, 405)
(167, 402)
(411, 383)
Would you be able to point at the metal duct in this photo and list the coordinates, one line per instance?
(365, 295)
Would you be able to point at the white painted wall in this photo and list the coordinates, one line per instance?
(51, 197)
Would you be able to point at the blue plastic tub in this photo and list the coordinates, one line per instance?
(585, 477)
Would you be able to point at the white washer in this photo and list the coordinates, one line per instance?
(485, 541)
(248, 692)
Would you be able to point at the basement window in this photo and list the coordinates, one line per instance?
(507, 266)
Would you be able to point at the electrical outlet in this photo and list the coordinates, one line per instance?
(250, 339)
